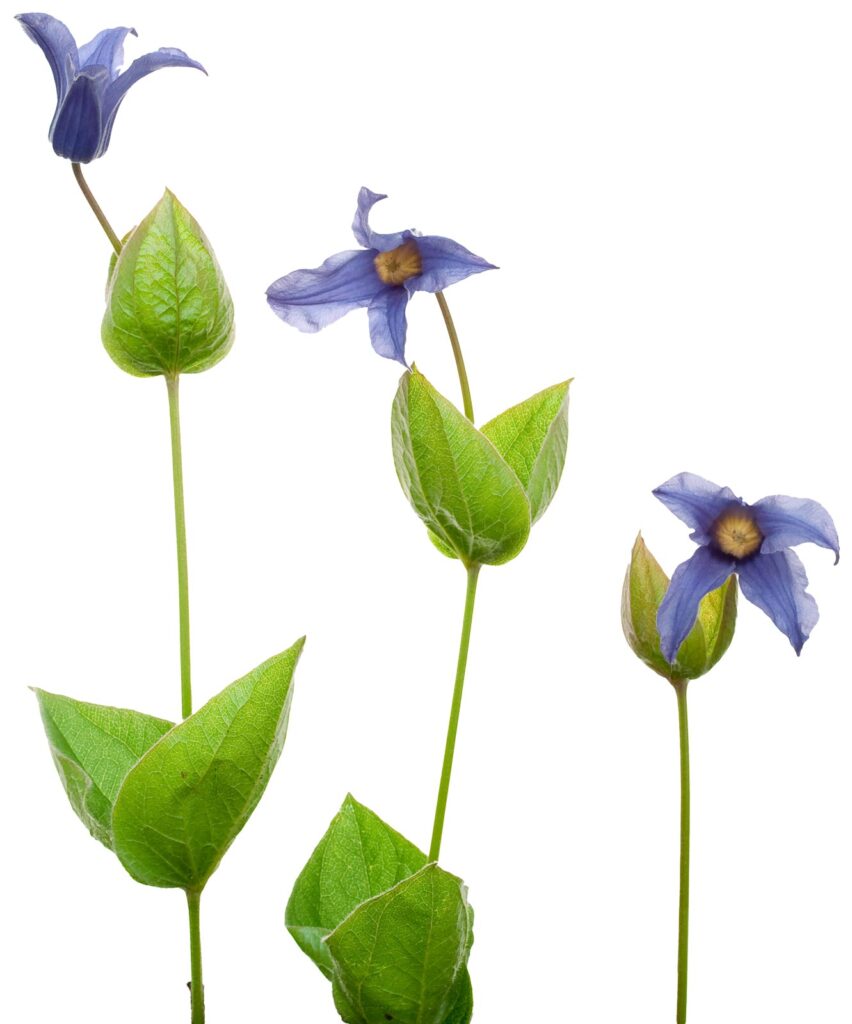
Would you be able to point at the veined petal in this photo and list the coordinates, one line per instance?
(678, 610)
(106, 50)
(77, 125)
(364, 235)
(786, 521)
(444, 262)
(696, 502)
(312, 299)
(57, 44)
(387, 323)
(776, 584)
(165, 57)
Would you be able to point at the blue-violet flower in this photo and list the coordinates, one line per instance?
(382, 276)
(89, 88)
(752, 541)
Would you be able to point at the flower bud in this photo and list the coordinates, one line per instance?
(645, 585)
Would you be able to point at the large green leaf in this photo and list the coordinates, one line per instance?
(186, 800)
(93, 748)
(168, 307)
(454, 477)
(401, 956)
(533, 438)
(357, 858)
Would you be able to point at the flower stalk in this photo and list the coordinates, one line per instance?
(452, 728)
(196, 987)
(180, 534)
(96, 209)
(683, 903)
(457, 352)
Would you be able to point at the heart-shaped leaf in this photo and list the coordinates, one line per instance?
(401, 956)
(357, 858)
(93, 748)
(533, 438)
(186, 800)
(454, 477)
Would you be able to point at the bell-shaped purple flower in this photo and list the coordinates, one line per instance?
(752, 541)
(89, 87)
(382, 276)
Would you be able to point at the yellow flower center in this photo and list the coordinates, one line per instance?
(737, 534)
(399, 264)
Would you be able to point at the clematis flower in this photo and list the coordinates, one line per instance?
(382, 276)
(89, 88)
(752, 541)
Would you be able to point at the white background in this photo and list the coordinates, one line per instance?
(666, 187)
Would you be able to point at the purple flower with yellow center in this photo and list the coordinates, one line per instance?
(382, 276)
(89, 87)
(753, 541)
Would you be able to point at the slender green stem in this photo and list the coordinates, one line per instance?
(180, 532)
(683, 907)
(96, 209)
(457, 352)
(452, 728)
(193, 902)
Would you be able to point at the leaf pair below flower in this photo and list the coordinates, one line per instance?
(478, 491)
(170, 800)
(391, 931)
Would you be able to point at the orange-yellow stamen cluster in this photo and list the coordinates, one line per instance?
(399, 264)
(737, 534)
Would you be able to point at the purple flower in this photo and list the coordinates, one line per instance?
(382, 276)
(89, 88)
(751, 540)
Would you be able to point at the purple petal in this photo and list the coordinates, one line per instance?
(166, 57)
(364, 235)
(57, 44)
(776, 584)
(785, 521)
(692, 579)
(76, 129)
(387, 324)
(444, 263)
(696, 502)
(105, 50)
(312, 299)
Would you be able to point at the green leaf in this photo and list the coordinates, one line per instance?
(454, 477)
(645, 586)
(168, 307)
(93, 748)
(533, 438)
(401, 955)
(186, 800)
(358, 857)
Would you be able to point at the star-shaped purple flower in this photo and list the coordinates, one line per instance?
(382, 276)
(752, 541)
(89, 87)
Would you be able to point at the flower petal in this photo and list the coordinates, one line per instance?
(387, 323)
(165, 57)
(776, 584)
(77, 125)
(105, 50)
(696, 502)
(786, 521)
(364, 235)
(312, 299)
(444, 263)
(678, 610)
(57, 44)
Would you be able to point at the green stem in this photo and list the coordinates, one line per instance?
(196, 988)
(683, 907)
(452, 729)
(180, 532)
(98, 212)
(457, 352)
